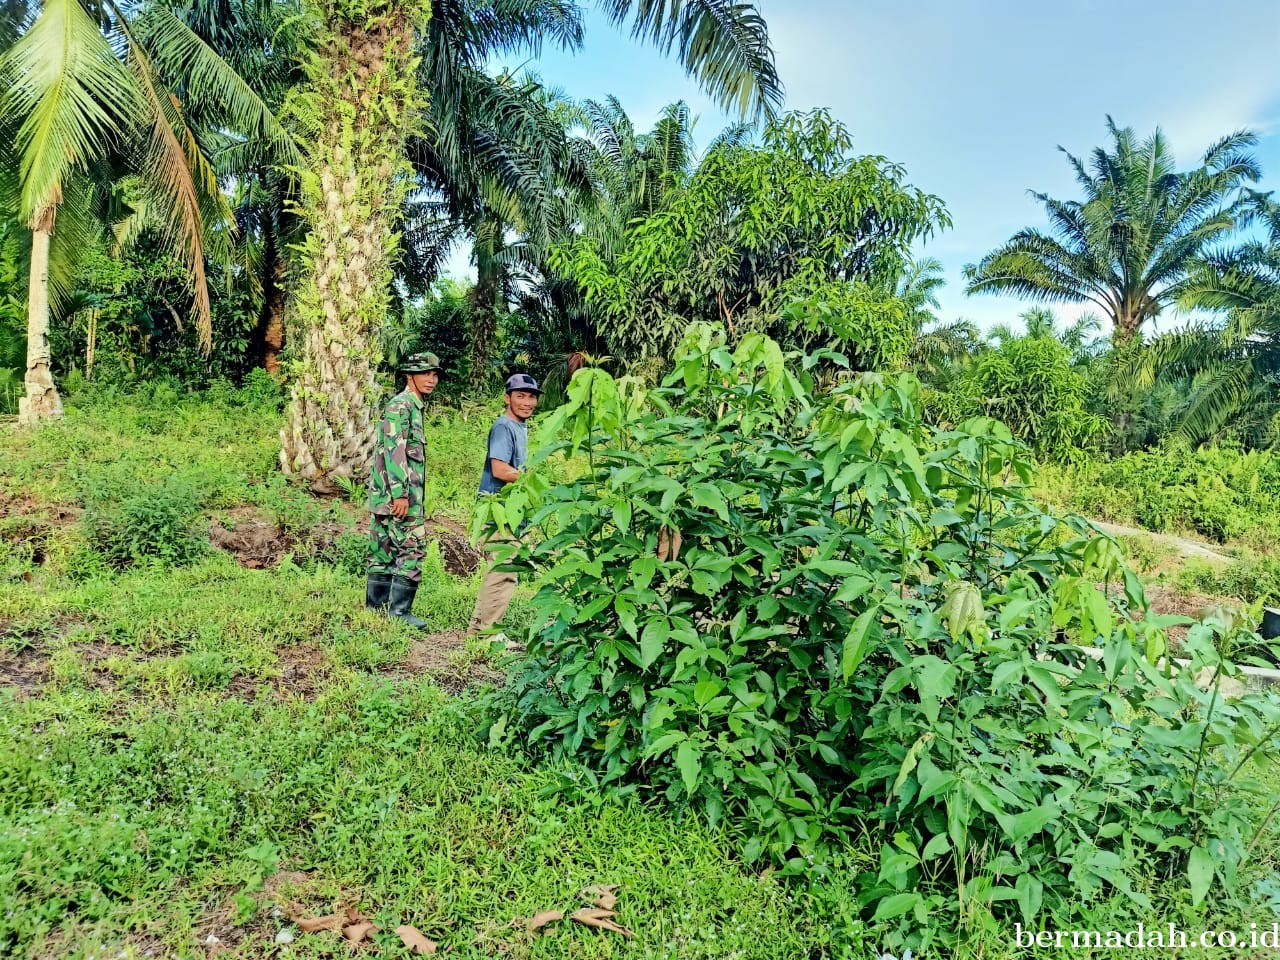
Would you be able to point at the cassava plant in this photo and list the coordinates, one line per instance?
(810, 615)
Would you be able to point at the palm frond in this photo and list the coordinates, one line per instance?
(722, 43)
(179, 53)
(74, 99)
(187, 186)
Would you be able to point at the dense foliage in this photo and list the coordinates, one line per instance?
(796, 218)
(1215, 492)
(1030, 385)
(806, 612)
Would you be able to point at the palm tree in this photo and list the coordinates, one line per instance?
(264, 43)
(917, 289)
(941, 350)
(358, 178)
(1231, 368)
(87, 88)
(1130, 245)
(493, 158)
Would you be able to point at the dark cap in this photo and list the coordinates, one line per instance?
(522, 381)
(420, 363)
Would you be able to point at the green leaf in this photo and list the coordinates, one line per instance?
(911, 759)
(652, 640)
(1019, 826)
(853, 588)
(837, 568)
(705, 690)
(895, 906)
(1008, 672)
(1199, 874)
(622, 515)
(1030, 896)
(689, 763)
(706, 495)
(935, 847)
(936, 677)
(856, 643)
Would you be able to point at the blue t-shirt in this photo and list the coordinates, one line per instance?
(508, 442)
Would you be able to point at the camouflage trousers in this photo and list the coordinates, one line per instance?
(396, 547)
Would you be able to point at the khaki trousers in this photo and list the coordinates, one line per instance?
(495, 593)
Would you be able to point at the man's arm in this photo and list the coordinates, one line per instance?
(502, 470)
(395, 441)
(502, 450)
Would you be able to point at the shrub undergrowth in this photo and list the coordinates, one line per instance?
(811, 615)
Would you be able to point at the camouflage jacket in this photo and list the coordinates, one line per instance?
(399, 457)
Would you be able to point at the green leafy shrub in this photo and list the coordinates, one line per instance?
(1252, 578)
(1216, 492)
(151, 525)
(1030, 384)
(813, 615)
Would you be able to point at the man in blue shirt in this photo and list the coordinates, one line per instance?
(508, 449)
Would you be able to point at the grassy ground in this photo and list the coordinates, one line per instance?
(192, 756)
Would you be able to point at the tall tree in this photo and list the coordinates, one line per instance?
(373, 45)
(1141, 230)
(1228, 368)
(796, 219)
(85, 87)
(361, 101)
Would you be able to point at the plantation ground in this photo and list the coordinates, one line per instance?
(193, 755)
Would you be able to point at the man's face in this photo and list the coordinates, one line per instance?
(425, 382)
(522, 403)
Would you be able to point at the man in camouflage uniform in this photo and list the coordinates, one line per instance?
(397, 489)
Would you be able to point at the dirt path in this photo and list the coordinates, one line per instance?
(1184, 546)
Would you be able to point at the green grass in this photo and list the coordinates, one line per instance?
(188, 749)
(149, 821)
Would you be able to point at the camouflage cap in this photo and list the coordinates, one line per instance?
(421, 363)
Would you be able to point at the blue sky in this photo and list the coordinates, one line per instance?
(973, 98)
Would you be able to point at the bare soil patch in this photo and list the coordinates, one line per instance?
(303, 668)
(460, 558)
(445, 659)
(1167, 600)
(26, 521)
(257, 542)
(25, 671)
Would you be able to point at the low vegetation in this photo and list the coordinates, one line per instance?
(196, 747)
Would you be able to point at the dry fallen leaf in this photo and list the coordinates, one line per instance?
(316, 924)
(601, 895)
(359, 931)
(414, 940)
(600, 919)
(669, 541)
(540, 920)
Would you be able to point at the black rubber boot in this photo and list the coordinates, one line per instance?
(403, 591)
(377, 591)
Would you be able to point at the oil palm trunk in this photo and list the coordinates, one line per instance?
(362, 98)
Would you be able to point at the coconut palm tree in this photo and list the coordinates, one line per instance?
(1131, 244)
(87, 86)
(358, 178)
